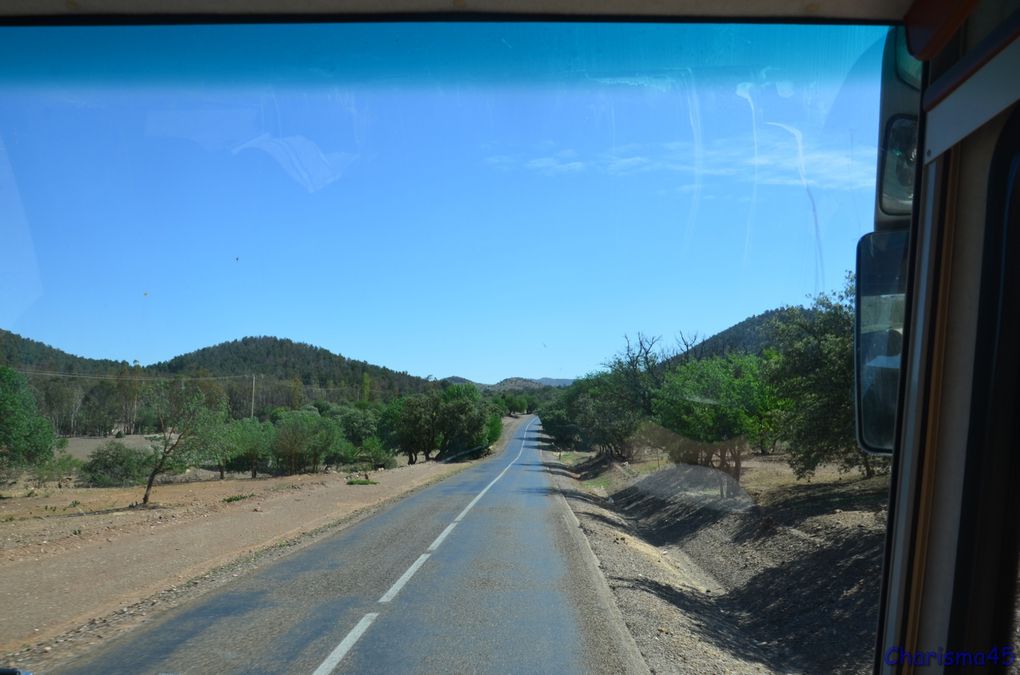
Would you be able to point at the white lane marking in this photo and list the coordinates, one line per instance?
(501, 473)
(333, 660)
(404, 578)
(442, 535)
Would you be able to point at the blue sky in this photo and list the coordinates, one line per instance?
(447, 199)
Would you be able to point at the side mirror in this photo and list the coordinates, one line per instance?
(882, 255)
(878, 336)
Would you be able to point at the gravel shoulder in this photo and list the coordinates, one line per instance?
(783, 577)
(76, 576)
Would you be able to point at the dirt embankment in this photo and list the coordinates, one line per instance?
(78, 566)
(778, 576)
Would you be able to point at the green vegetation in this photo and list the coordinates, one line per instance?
(782, 380)
(361, 481)
(114, 464)
(26, 437)
(237, 498)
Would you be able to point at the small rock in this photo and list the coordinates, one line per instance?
(47, 649)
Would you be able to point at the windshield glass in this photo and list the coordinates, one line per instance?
(242, 260)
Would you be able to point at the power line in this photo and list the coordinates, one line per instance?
(128, 378)
(173, 378)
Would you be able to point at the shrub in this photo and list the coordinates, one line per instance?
(60, 466)
(114, 464)
(361, 481)
(376, 453)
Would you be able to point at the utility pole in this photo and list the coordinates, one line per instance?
(253, 396)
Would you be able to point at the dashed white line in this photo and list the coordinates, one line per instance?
(442, 535)
(501, 473)
(333, 660)
(404, 578)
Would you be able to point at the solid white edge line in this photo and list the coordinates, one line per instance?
(334, 658)
(404, 578)
(442, 535)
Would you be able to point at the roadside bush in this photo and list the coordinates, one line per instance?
(57, 468)
(114, 464)
(493, 429)
(375, 452)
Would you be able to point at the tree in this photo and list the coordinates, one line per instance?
(294, 432)
(413, 425)
(603, 417)
(358, 422)
(26, 437)
(210, 441)
(717, 403)
(637, 373)
(493, 429)
(462, 418)
(180, 413)
(815, 373)
(251, 441)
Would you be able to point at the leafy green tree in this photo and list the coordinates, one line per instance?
(325, 442)
(558, 423)
(294, 433)
(493, 429)
(462, 418)
(180, 413)
(99, 409)
(358, 422)
(636, 374)
(604, 419)
(717, 402)
(210, 442)
(26, 437)
(413, 425)
(375, 452)
(815, 373)
(251, 441)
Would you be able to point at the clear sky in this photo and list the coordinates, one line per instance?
(447, 199)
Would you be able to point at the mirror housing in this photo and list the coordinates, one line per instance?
(881, 301)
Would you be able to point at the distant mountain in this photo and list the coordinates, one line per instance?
(453, 379)
(513, 383)
(555, 382)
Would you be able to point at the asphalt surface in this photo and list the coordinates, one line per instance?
(485, 571)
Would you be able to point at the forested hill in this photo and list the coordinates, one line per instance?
(751, 336)
(269, 357)
(285, 360)
(21, 352)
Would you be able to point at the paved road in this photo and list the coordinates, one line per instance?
(483, 572)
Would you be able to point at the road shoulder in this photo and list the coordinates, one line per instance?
(640, 581)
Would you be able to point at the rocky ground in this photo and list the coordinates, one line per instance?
(783, 576)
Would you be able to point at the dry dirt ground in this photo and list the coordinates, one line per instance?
(78, 565)
(782, 576)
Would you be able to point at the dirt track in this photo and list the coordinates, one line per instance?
(65, 591)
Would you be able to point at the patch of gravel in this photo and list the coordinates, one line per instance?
(719, 584)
